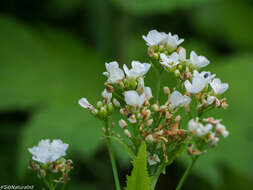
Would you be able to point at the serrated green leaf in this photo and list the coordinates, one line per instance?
(139, 179)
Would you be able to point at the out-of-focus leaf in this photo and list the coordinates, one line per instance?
(227, 20)
(145, 7)
(48, 72)
(59, 7)
(235, 150)
(139, 178)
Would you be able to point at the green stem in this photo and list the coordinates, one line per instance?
(156, 176)
(49, 185)
(186, 173)
(158, 85)
(111, 154)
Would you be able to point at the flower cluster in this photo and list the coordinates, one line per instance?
(49, 162)
(163, 125)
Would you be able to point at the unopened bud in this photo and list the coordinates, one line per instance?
(122, 123)
(178, 118)
(99, 104)
(155, 107)
(149, 122)
(110, 108)
(166, 90)
(94, 111)
(127, 133)
(132, 119)
(103, 112)
(156, 56)
(149, 139)
(116, 102)
(177, 73)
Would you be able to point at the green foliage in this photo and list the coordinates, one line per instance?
(139, 178)
(145, 7)
(46, 73)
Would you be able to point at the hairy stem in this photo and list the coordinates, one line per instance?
(112, 158)
(186, 173)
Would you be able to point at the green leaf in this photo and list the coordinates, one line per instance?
(139, 179)
(124, 145)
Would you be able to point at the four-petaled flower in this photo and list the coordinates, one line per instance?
(132, 98)
(114, 73)
(198, 61)
(138, 69)
(218, 87)
(178, 100)
(47, 152)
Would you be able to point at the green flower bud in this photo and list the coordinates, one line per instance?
(177, 73)
(94, 112)
(99, 104)
(110, 108)
(103, 112)
(156, 56)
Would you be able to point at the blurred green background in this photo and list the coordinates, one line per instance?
(52, 52)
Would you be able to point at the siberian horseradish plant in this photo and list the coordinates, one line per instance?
(152, 131)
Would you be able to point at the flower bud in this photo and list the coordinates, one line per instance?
(149, 122)
(116, 102)
(178, 118)
(156, 56)
(94, 112)
(149, 139)
(155, 107)
(127, 133)
(177, 73)
(99, 104)
(110, 108)
(166, 90)
(122, 123)
(102, 112)
(132, 119)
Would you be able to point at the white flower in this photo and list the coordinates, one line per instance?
(222, 130)
(138, 69)
(178, 100)
(213, 140)
(173, 41)
(171, 61)
(155, 38)
(210, 99)
(153, 159)
(148, 93)
(48, 152)
(218, 87)
(160, 38)
(199, 81)
(106, 95)
(198, 128)
(114, 73)
(198, 61)
(132, 98)
(85, 104)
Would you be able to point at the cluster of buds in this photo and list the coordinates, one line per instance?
(49, 162)
(161, 125)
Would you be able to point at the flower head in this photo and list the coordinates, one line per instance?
(198, 128)
(132, 98)
(114, 73)
(171, 61)
(138, 69)
(160, 38)
(198, 61)
(222, 130)
(178, 100)
(48, 152)
(218, 87)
